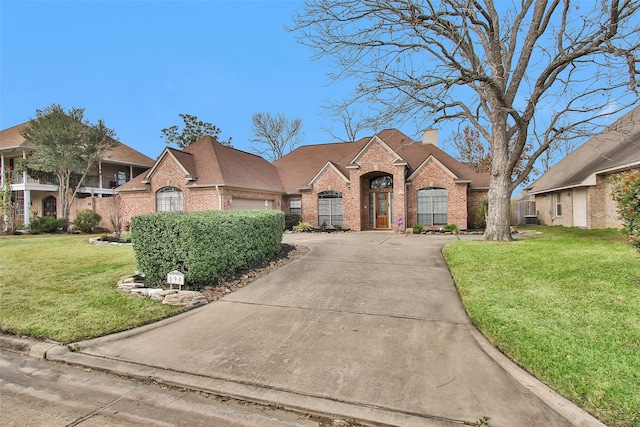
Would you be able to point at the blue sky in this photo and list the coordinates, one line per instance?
(138, 64)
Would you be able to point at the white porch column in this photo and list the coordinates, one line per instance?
(27, 207)
(24, 172)
(130, 172)
(100, 174)
(2, 174)
(27, 195)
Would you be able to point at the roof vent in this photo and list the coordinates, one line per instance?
(430, 136)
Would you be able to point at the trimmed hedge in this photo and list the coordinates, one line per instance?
(207, 246)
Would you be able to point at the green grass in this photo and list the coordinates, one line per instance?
(565, 305)
(62, 288)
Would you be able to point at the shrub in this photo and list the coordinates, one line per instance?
(417, 229)
(46, 224)
(86, 221)
(337, 226)
(626, 191)
(451, 227)
(291, 220)
(477, 217)
(303, 226)
(207, 246)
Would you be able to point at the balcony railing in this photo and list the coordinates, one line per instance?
(90, 181)
(16, 177)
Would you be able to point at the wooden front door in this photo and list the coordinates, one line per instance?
(382, 210)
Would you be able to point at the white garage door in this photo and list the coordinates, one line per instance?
(251, 204)
(580, 207)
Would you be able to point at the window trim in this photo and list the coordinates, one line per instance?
(556, 204)
(429, 217)
(166, 190)
(330, 196)
(295, 210)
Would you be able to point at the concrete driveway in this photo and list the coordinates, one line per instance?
(368, 326)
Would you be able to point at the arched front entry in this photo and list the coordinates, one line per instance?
(380, 196)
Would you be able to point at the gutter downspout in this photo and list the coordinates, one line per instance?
(219, 197)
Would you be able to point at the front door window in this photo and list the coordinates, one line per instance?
(382, 216)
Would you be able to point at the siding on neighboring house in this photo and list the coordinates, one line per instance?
(583, 178)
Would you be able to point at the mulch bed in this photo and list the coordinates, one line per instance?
(287, 254)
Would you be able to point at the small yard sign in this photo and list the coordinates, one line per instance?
(175, 277)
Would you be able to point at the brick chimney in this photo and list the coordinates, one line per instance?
(430, 136)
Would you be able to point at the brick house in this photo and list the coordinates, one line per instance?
(38, 197)
(363, 185)
(577, 191)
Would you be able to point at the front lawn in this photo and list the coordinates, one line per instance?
(565, 305)
(62, 288)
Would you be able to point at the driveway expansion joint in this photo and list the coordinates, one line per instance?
(356, 313)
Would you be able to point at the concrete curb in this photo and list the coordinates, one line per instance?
(317, 405)
(565, 408)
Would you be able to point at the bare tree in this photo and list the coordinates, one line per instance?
(116, 216)
(275, 136)
(475, 152)
(472, 150)
(351, 125)
(521, 72)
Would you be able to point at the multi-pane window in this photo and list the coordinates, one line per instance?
(295, 206)
(330, 208)
(18, 203)
(557, 204)
(122, 177)
(432, 206)
(169, 199)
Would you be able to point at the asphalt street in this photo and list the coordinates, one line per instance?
(36, 392)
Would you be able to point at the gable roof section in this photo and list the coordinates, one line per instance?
(184, 161)
(300, 167)
(332, 166)
(216, 164)
(207, 163)
(121, 153)
(616, 148)
(374, 139)
(432, 159)
(417, 155)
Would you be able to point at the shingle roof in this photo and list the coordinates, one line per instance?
(298, 168)
(617, 147)
(12, 138)
(212, 163)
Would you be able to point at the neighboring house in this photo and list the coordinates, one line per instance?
(363, 185)
(35, 198)
(577, 191)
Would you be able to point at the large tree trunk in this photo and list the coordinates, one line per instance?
(498, 216)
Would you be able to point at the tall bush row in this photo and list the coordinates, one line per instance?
(207, 246)
(626, 191)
